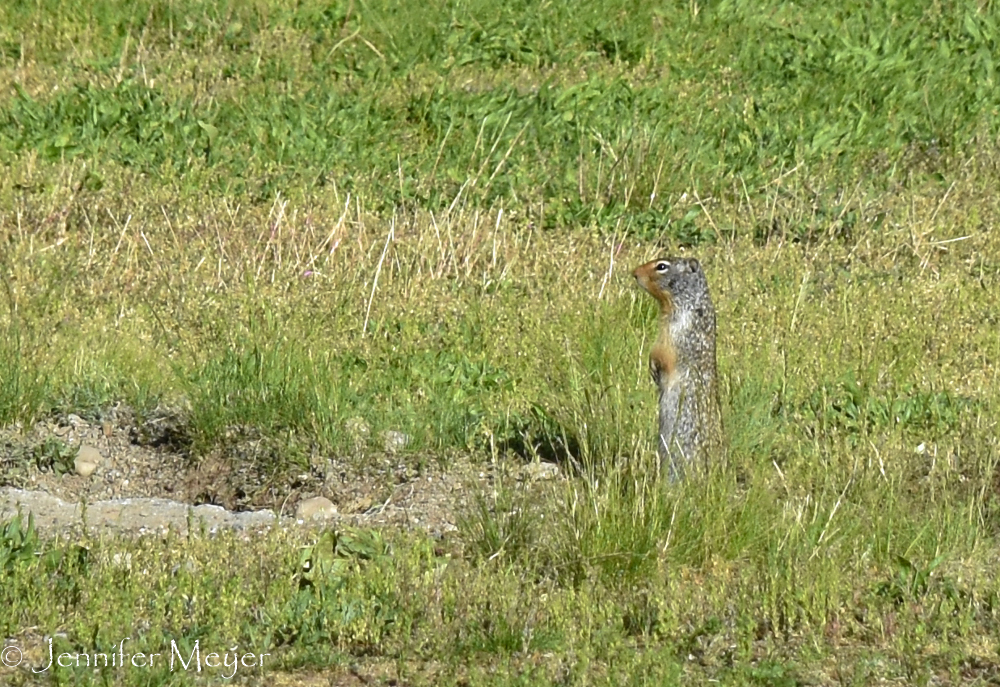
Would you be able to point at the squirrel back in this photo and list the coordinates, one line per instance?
(682, 364)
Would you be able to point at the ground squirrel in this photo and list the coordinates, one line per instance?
(682, 364)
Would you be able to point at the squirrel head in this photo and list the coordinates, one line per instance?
(676, 283)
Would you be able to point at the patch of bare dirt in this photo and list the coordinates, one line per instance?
(146, 478)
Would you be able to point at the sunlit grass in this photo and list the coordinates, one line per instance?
(856, 506)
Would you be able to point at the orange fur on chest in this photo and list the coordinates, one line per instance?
(663, 358)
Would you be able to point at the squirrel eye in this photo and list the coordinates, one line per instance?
(662, 266)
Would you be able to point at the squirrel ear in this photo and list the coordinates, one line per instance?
(693, 264)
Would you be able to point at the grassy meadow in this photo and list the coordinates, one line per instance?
(287, 216)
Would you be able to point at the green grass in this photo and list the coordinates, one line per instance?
(600, 116)
(284, 219)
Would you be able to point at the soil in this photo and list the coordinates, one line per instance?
(147, 479)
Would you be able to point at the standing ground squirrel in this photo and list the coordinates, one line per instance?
(682, 364)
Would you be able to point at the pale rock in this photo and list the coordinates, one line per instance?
(316, 508)
(86, 461)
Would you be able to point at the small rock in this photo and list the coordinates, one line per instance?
(395, 441)
(318, 507)
(83, 468)
(107, 429)
(87, 461)
(537, 471)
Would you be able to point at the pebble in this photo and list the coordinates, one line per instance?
(318, 507)
(87, 460)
